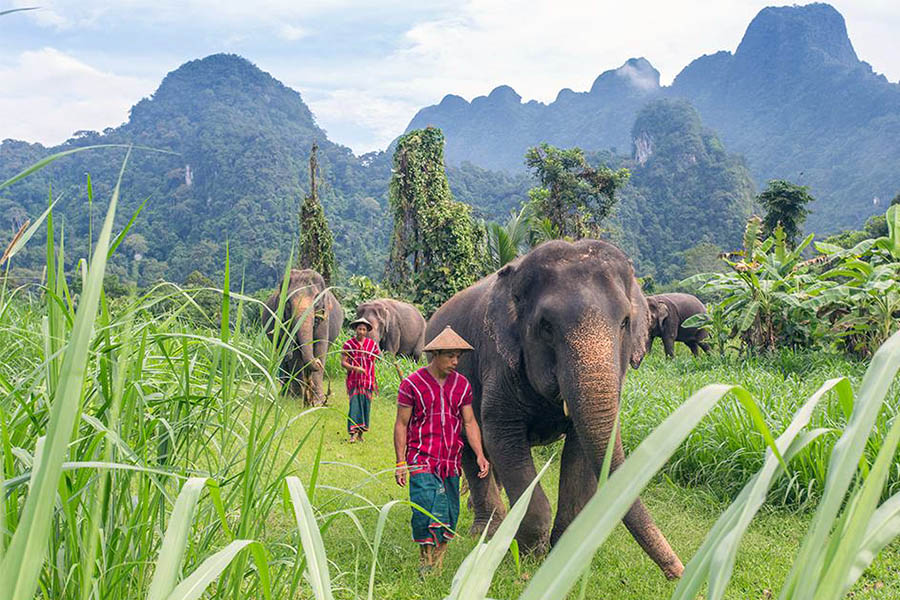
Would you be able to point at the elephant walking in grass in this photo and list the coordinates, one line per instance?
(667, 313)
(554, 332)
(315, 317)
(397, 327)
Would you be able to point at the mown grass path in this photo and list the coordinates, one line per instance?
(620, 570)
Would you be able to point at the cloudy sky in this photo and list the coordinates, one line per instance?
(364, 68)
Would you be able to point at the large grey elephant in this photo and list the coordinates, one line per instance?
(397, 327)
(667, 313)
(303, 368)
(554, 332)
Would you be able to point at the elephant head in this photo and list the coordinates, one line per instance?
(571, 318)
(659, 312)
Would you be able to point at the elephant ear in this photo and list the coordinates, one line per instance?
(640, 324)
(501, 320)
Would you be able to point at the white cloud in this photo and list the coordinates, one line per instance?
(292, 33)
(366, 98)
(48, 95)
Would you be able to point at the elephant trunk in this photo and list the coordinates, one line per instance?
(305, 338)
(590, 387)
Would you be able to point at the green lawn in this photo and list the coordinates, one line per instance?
(620, 570)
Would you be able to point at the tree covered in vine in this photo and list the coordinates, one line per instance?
(436, 249)
(316, 241)
(573, 196)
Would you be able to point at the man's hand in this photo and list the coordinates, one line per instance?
(483, 466)
(400, 475)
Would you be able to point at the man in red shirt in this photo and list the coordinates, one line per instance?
(358, 358)
(433, 405)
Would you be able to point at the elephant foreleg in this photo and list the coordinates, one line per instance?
(669, 346)
(577, 484)
(695, 348)
(484, 495)
(510, 453)
(641, 526)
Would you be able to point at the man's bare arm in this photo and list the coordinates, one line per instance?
(401, 424)
(473, 436)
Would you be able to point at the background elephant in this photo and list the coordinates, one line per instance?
(554, 332)
(397, 327)
(667, 313)
(303, 368)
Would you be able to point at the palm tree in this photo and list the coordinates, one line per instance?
(506, 242)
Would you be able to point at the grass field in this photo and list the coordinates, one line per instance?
(193, 401)
(621, 570)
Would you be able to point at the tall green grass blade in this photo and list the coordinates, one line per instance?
(23, 239)
(314, 477)
(313, 548)
(127, 228)
(473, 582)
(53, 157)
(845, 457)
(28, 548)
(836, 582)
(376, 543)
(883, 527)
(196, 583)
(171, 553)
(14, 10)
(575, 549)
(723, 551)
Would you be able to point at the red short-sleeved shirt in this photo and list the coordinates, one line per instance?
(361, 354)
(434, 436)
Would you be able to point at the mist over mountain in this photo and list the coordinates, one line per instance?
(794, 99)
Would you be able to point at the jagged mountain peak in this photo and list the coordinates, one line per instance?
(808, 35)
(636, 73)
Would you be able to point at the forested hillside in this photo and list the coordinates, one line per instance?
(234, 172)
(240, 142)
(794, 99)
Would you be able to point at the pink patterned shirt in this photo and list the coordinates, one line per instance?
(361, 354)
(434, 436)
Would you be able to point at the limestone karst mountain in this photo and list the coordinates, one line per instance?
(794, 98)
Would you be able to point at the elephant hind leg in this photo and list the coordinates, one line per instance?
(484, 497)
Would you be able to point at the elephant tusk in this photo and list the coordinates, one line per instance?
(565, 408)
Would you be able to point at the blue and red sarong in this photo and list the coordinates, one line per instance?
(438, 496)
(360, 407)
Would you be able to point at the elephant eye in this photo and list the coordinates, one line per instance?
(545, 329)
(625, 322)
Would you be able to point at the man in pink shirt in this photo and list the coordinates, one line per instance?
(358, 359)
(433, 406)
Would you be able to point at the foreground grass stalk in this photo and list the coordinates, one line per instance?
(845, 458)
(25, 557)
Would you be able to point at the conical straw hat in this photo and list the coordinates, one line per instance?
(447, 340)
(359, 321)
